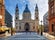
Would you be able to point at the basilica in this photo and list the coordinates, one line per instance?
(26, 24)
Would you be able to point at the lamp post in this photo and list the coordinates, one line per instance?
(11, 30)
(41, 28)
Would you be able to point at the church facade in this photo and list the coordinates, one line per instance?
(26, 24)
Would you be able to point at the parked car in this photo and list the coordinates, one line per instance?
(4, 29)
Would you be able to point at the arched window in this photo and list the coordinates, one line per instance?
(16, 17)
(52, 10)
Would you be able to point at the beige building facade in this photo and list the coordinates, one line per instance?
(26, 24)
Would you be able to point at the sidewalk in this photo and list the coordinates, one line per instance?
(50, 37)
(7, 34)
(2, 35)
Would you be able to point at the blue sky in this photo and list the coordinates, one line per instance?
(42, 6)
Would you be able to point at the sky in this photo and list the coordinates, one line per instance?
(10, 5)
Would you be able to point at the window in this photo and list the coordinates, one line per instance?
(0, 1)
(52, 10)
(36, 17)
(33, 27)
(16, 23)
(16, 17)
(20, 27)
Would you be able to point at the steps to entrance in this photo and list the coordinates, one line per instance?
(26, 36)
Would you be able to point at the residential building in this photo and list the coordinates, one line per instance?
(45, 22)
(51, 16)
(5, 16)
(2, 13)
(8, 19)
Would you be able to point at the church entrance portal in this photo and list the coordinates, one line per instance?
(27, 27)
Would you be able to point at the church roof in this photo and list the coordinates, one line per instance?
(16, 5)
(26, 9)
(17, 9)
(36, 6)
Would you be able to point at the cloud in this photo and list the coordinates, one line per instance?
(42, 7)
(32, 5)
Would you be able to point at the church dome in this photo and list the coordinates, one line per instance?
(26, 9)
(26, 13)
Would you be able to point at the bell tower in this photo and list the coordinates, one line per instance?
(2, 13)
(36, 18)
(16, 16)
(36, 12)
(17, 12)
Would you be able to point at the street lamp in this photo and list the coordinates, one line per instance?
(11, 30)
(41, 28)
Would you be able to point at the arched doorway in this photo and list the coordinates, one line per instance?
(27, 27)
(52, 27)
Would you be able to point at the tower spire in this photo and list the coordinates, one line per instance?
(36, 12)
(26, 5)
(17, 7)
(36, 8)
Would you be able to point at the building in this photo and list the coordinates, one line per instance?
(26, 24)
(52, 16)
(8, 19)
(5, 17)
(2, 13)
(45, 22)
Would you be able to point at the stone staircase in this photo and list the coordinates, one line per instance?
(27, 36)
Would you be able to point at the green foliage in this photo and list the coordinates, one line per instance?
(41, 27)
